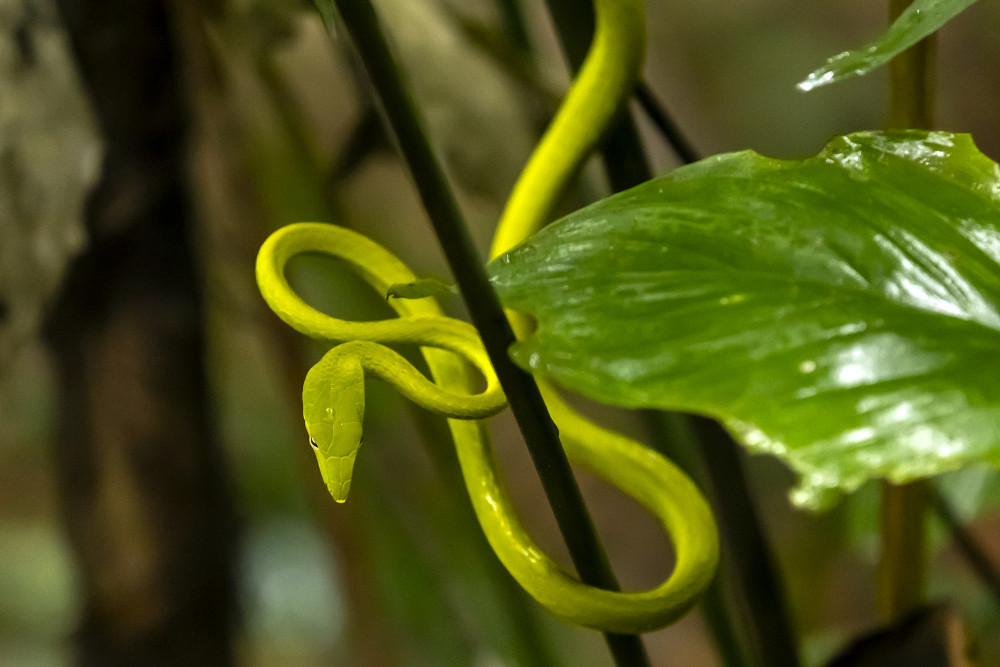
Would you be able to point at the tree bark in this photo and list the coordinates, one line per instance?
(144, 493)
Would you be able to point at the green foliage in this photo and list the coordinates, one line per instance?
(921, 19)
(421, 288)
(327, 13)
(840, 312)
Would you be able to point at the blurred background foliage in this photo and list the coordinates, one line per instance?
(286, 130)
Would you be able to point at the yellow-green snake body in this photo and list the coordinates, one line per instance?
(333, 394)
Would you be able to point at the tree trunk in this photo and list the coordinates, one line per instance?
(144, 494)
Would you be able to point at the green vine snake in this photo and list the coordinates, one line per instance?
(334, 395)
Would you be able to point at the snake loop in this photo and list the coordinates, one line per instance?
(333, 407)
(333, 394)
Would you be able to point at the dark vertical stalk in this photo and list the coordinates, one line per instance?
(665, 124)
(971, 550)
(911, 81)
(484, 308)
(902, 567)
(512, 16)
(758, 583)
(142, 485)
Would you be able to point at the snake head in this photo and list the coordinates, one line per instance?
(336, 449)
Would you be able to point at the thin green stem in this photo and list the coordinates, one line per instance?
(911, 81)
(902, 567)
(484, 308)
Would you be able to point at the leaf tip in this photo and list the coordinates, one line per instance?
(820, 77)
(326, 14)
(420, 289)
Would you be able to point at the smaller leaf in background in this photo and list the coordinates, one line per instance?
(841, 312)
(920, 19)
(326, 11)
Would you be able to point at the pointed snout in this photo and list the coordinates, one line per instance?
(337, 472)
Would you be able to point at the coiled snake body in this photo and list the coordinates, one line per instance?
(334, 395)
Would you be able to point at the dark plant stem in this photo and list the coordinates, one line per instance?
(970, 549)
(512, 16)
(660, 117)
(747, 553)
(902, 567)
(540, 434)
(723, 604)
(911, 81)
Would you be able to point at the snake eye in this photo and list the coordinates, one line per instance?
(312, 443)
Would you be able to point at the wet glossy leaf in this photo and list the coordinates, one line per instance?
(919, 20)
(840, 312)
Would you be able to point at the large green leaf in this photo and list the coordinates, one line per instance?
(919, 20)
(840, 312)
